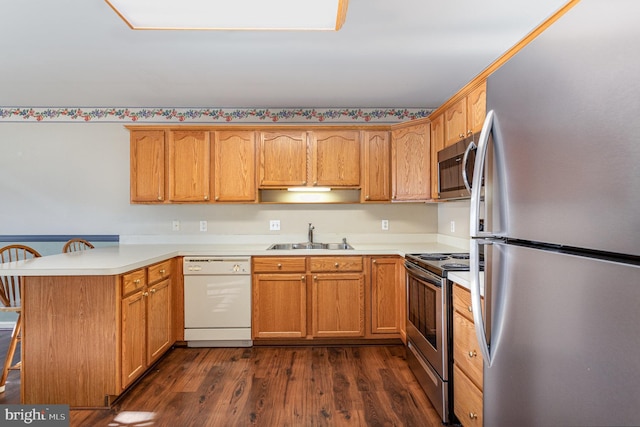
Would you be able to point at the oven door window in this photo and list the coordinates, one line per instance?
(423, 309)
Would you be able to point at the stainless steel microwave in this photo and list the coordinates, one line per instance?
(455, 169)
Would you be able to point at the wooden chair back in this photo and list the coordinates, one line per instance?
(75, 245)
(10, 285)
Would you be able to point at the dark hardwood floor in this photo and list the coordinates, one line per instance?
(267, 386)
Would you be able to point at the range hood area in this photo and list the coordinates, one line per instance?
(300, 195)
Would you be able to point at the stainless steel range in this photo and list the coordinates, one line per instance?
(429, 324)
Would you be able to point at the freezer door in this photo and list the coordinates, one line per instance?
(568, 108)
(564, 340)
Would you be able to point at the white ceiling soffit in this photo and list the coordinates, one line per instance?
(231, 14)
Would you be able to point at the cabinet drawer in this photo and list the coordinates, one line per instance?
(466, 352)
(462, 301)
(279, 265)
(336, 263)
(159, 271)
(133, 281)
(467, 400)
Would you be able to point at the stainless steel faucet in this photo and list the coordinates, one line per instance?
(311, 228)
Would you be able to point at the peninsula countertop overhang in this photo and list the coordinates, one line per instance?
(114, 260)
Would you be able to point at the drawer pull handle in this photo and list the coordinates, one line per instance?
(136, 282)
(163, 271)
(473, 415)
(473, 353)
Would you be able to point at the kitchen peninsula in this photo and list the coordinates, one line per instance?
(81, 343)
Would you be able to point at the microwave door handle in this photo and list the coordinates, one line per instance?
(465, 158)
(478, 172)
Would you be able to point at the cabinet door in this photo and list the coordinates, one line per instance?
(376, 176)
(158, 319)
(279, 306)
(147, 166)
(338, 305)
(336, 158)
(283, 159)
(455, 122)
(133, 338)
(189, 166)
(235, 166)
(437, 144)
(410, 163)
(386, 302)
(476, 108)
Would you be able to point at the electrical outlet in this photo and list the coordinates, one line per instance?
(385, 224)
(175, 226)
(203, 225)
(274, 225)
(453, 226)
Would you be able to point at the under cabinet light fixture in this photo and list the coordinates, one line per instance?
(309, 189)
(231, 14)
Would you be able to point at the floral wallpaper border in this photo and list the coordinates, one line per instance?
(211, 115)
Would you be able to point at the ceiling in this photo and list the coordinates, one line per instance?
(388, 54)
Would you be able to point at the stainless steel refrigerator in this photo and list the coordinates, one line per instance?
(560, 156)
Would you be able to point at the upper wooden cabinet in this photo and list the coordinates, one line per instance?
(376, 173)
(235, 166)
(147, 166)
(335, 157)
(437, 144)
(410, 162)
(315, 158)
(283, 159)
(189, 166)
(466, 116)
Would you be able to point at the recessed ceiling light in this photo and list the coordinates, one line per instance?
(231, 14)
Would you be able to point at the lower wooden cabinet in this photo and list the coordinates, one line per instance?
(328, 297)
(146, 319)
(468, 365)
(387, 295)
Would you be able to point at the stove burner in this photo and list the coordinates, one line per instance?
(460, 256)
(455, 265)
(433, 257)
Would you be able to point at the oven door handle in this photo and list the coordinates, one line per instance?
(432, 279)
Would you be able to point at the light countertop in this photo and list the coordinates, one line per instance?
(120, 259)
(463, 278)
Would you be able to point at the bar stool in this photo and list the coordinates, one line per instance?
(75, 245)
(10, 289)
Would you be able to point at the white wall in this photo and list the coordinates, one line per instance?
(458, 212)
(73, 178)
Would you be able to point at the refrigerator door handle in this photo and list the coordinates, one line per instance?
(476, 303)
(465, 179)
(478, 172)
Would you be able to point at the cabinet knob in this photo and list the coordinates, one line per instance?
(159, 197)
(367, 197)
(217, 198)
(336, 265)
(302, 278)
(374, 261)
(163, 271)
(315, 277)
(145, 294)
(315, 182)
(461, 135)
(279, 266)
(473, 415)
(470, 308)
(206, 197)
(136, 282)
(153, 290)
(473, 353)
(469, 132)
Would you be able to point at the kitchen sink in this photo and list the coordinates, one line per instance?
(291, 246)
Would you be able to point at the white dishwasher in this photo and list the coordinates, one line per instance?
(217, 301)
